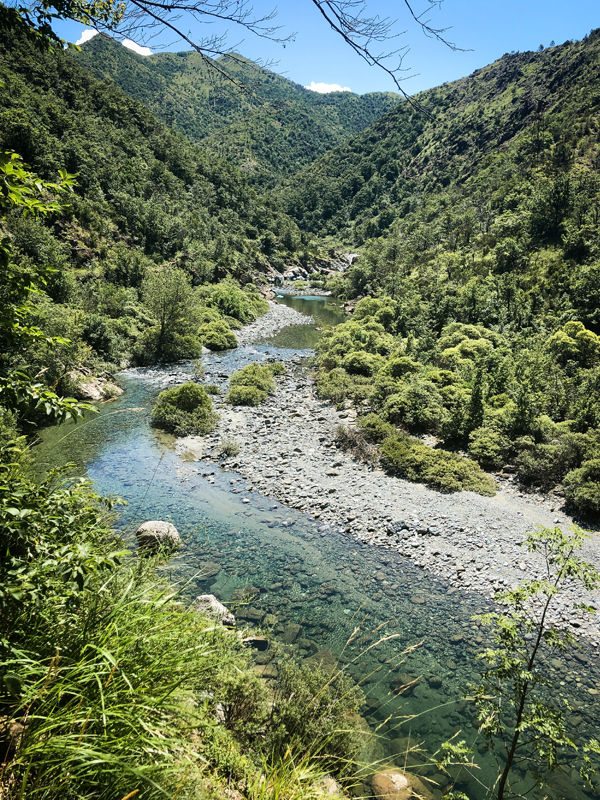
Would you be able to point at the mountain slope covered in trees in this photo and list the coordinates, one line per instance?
(270, 130)
(151, 216)
(478, 216)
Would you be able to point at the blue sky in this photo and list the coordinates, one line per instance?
(484, 29)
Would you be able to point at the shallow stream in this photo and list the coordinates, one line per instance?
(327, 584)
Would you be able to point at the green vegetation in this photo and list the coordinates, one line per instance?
(153, 223)
(449, 472)
(251, 385)
(524, 725)
(121, 688)
(184, 410)
(269, 133)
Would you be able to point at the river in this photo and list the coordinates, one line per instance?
(329, 585)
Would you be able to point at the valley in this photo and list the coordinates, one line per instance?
(349, 346)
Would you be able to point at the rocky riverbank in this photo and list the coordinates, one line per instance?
(277, 317)
(288, 452)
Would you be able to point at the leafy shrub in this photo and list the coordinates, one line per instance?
(250, 385)
(400, 366)
(418, 406)
(374, 428)
(172, 347)
(184, 410)
(582, 487)
(441, 469)
(489, 447)
(212, 388)
(361, 363)
(217, 336)
(318, 714)
(243, 305)
(245, 396)
(229, 446)
(277, 368)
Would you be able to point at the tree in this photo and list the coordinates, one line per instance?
(23, 190)
(521, 717)
(140, 20)
(168, 294)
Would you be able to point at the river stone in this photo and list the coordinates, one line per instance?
(244, 593)
(156, 535)
(291, 633)
(250, 614)
(209, 605)
(208, 569)
(417, 600)
(391, 785)
(403, 679)
(394, 784)
(323, 659)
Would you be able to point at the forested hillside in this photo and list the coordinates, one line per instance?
(145, 199)
(270, 130)
(478, 213)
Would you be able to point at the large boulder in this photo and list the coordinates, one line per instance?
(157, 535)
(208, 605)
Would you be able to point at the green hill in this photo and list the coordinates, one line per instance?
(475, 144)
(269, 131)
(146, 201)
(478, 214)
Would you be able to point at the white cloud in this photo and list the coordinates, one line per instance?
(88, 34)
(324, 88)
(137, 48)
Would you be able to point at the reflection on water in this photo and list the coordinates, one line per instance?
(310, 585)
(324, 311)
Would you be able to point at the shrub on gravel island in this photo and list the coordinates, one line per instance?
(184, 410)
(408, 458)
(217, 336)
(251, 385)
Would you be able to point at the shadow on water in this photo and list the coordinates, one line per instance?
(323, 310)
(312, 586)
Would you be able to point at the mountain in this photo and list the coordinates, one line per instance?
(465, 153)
(138, 182)
(270, 130)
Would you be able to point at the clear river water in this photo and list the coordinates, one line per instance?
(329, 585)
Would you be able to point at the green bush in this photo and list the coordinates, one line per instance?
(245, 396)
(374, 428)
(184, 410)
(172, 347)
(251, 385)
(212, 388)
(318, 714)
(244, 305)
(489, 447)
(418, 406)
(582, 487)
(441, 469)
(217, 336)
(361, 363)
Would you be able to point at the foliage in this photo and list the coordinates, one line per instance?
(251, 385)
(229, 446)
(184, 410)
(315, 714)
(217, 336)
(410, 459)
(518, 710)
(582, 486)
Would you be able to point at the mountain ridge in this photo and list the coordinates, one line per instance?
(270, 130)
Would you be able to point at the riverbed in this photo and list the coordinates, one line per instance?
(311, 573)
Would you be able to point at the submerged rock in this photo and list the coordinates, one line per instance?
(157, 535)
(393, 784)
(209, 605)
